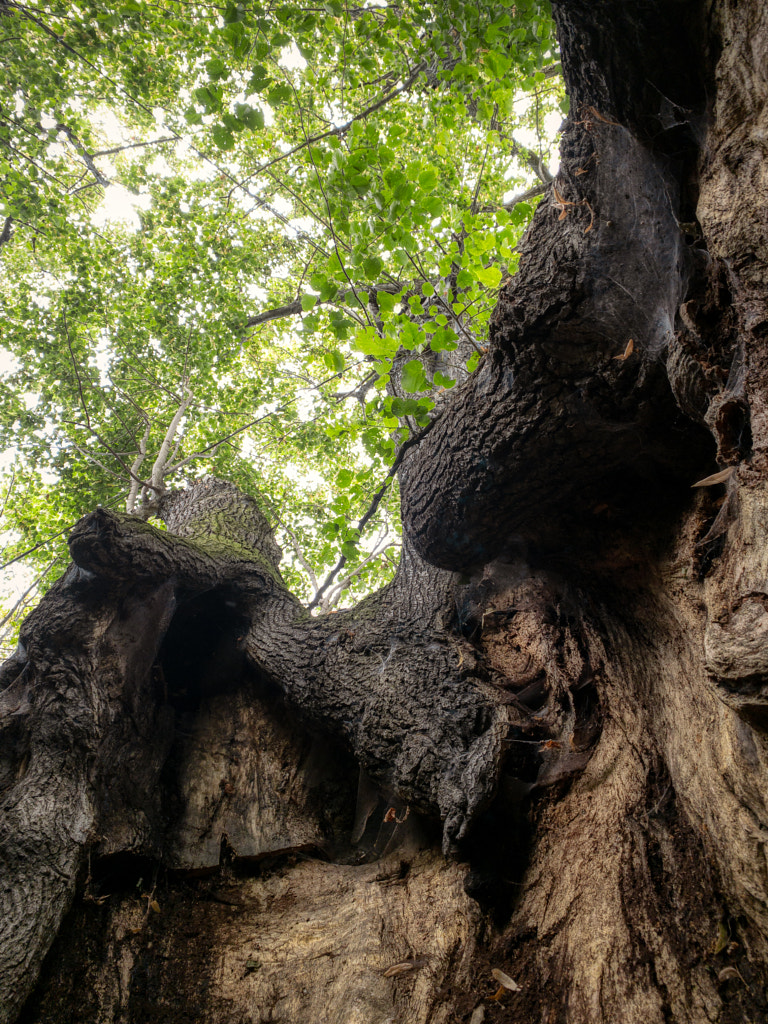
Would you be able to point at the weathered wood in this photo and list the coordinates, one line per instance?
(603, 672)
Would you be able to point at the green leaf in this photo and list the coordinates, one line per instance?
(251, 117)
(279, 94)
(386, 301)
(308, 302)
(372, 267)
(404, 407)
(216, 68)
(413, 377)
(222, 137)
(410, 335)
(489, 276)
(370, 343)
(429, 178)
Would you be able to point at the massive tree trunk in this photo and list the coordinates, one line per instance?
(219, 808)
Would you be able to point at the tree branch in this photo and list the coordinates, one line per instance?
(294, 308)
(336, 590)
(344, 128)
(84, 154)
(160, 465)
(5, 234)
(375, 502)
(133, 493)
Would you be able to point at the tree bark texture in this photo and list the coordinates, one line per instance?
(217, 807)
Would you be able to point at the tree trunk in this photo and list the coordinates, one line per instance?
(219, 808)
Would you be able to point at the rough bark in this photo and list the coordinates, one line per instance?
(582, 716)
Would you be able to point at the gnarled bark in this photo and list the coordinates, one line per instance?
(585, 717)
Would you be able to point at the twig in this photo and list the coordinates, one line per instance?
(417, 439)
(30, 589)
(8, 492)
(98, 437)
(338, 588)
(135, 145)
(341, 129)
(54, 536)
(85, 155)
(294, 308)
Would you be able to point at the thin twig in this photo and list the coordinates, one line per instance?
(417, 439)
(340, 129)
(30, 590)
(340, 586)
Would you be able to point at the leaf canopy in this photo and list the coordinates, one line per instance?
(279, 227)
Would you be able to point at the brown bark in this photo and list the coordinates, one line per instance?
(584, 719)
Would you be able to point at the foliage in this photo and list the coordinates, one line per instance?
(290, 220)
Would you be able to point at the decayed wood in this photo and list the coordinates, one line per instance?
(367, 944)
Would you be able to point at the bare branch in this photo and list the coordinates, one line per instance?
(92, 458)
(294, 542)
(54, 536)
(290, 309)
(294, 308)
(160, 467)
(333, 595)
(133, 493)
(8, 492)
(115, 455)
(135, 145)
(22, 601)
(5, 234)
(84, 154)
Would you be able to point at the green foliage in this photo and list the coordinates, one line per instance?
(172, 170)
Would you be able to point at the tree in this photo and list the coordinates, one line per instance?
(294, 232)
(566, 671)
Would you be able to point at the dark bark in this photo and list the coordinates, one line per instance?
(584, 717)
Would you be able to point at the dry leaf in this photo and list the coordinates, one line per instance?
(402, 968)
(478, 1015)
(729, 973)
(716, 478)
(154, 905)
(722, 939)
(627, 351)
(599, 116)
(505, 980)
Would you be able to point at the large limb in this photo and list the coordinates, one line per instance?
(572, 407)
(75, 702)
(387, 678)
